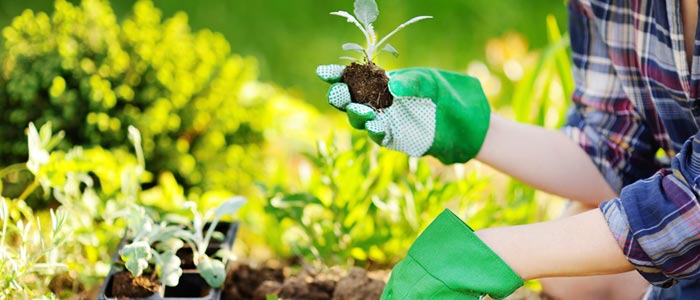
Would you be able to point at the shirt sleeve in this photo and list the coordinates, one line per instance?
(603, 120)
(656, 221)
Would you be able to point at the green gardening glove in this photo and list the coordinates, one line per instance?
(435, 112)
(448, 261)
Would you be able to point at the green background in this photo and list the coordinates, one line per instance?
(290, 38)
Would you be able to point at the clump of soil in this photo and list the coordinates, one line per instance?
(368, 84)
(64, 284)
(245, 282)
(125, 285)
(356, 285)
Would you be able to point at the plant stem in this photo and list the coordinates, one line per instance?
(12, 169)
(29, 190)
(207, 237)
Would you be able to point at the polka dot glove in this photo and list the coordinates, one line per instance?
(435, 112)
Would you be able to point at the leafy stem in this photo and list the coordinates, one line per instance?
(366, 12)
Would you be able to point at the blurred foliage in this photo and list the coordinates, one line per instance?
(290, 38)
(361, 204)
(92, 188)
(87, 184)
(199, 108)
(210, 129)
(29, 252)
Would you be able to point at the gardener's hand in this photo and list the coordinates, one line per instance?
(448, 261)
(435, 112)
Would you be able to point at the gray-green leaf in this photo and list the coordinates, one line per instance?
(389, 48)
(213, 271)
(230, 206)
(170, 244)
(366, 11)
(353, 47)
(136, 257)
(170, 270)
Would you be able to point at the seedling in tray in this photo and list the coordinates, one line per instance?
(368, 82)
(152, 245)
(211, 269)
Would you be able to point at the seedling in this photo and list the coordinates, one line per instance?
(151, 243)
(368, 82)
(213, 270)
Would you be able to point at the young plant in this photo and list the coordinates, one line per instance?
(368, 82)
(213, 270)
(152, 243)
(28, 257)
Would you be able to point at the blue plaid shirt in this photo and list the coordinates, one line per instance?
(635, 95)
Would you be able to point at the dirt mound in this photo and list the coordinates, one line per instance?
(246, 282)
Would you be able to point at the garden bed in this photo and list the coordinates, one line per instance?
(245, 282)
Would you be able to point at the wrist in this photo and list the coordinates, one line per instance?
(506, 248)
(574, 246)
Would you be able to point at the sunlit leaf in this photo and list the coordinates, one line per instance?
(213, 271)
(389, 48)
(366, 11)
(170, 271)
(230, 206)
(353, 47)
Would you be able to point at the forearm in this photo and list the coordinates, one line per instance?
(574, 246)
(545, 159)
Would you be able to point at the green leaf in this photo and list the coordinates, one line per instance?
(366, 11)
(170, 244)
(353, 47)
(225, 254)
(293, 205)
(170, 270)
(136, 266)
(213, 271)
(230, 206)
(389, 48)
(136, 256)
(218, 236)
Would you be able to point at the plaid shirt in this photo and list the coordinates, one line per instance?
(635, 95)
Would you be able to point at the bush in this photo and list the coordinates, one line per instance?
(196, 104)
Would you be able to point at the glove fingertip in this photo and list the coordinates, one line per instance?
(339, 96)
(359, 114)
(376, 132)
(330, 73)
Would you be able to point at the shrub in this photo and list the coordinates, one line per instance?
(194, 102)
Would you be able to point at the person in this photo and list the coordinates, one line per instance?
(637, 84)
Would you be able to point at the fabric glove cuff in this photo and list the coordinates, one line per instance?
(469, 265)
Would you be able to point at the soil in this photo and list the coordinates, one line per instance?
(65, 284)
(191, 285)
(245, 282)
(125, 285)
(368, 84)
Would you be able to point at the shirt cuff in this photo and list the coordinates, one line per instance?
(615, 215)
(656, 221)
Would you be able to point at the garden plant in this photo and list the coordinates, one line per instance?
(199, 238)
(148, 256)
(366, 80)
(150, 252)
